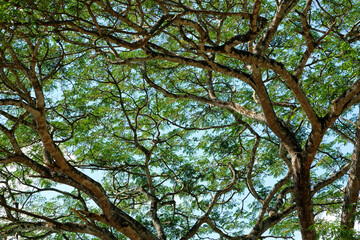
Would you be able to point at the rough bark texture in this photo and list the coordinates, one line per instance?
(353, 185)
(303, 197)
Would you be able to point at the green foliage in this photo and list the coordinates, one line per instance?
(332, 230)
(134, 95)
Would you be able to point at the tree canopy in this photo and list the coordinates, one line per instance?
(179, 119)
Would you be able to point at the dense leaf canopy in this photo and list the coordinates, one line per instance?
(179, 119)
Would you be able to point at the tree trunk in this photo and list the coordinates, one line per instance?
(301, 171)
(353, 185)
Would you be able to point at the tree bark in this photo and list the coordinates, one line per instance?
(353, 185)
(303, 198)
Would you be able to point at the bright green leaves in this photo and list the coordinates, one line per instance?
(329, 229)
(145, 96)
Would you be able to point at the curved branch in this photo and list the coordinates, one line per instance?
(280, 69)
(343, 102)
(250, 168)
(215, 102)
(204, 218)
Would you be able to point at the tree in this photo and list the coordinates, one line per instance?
(178, 119)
